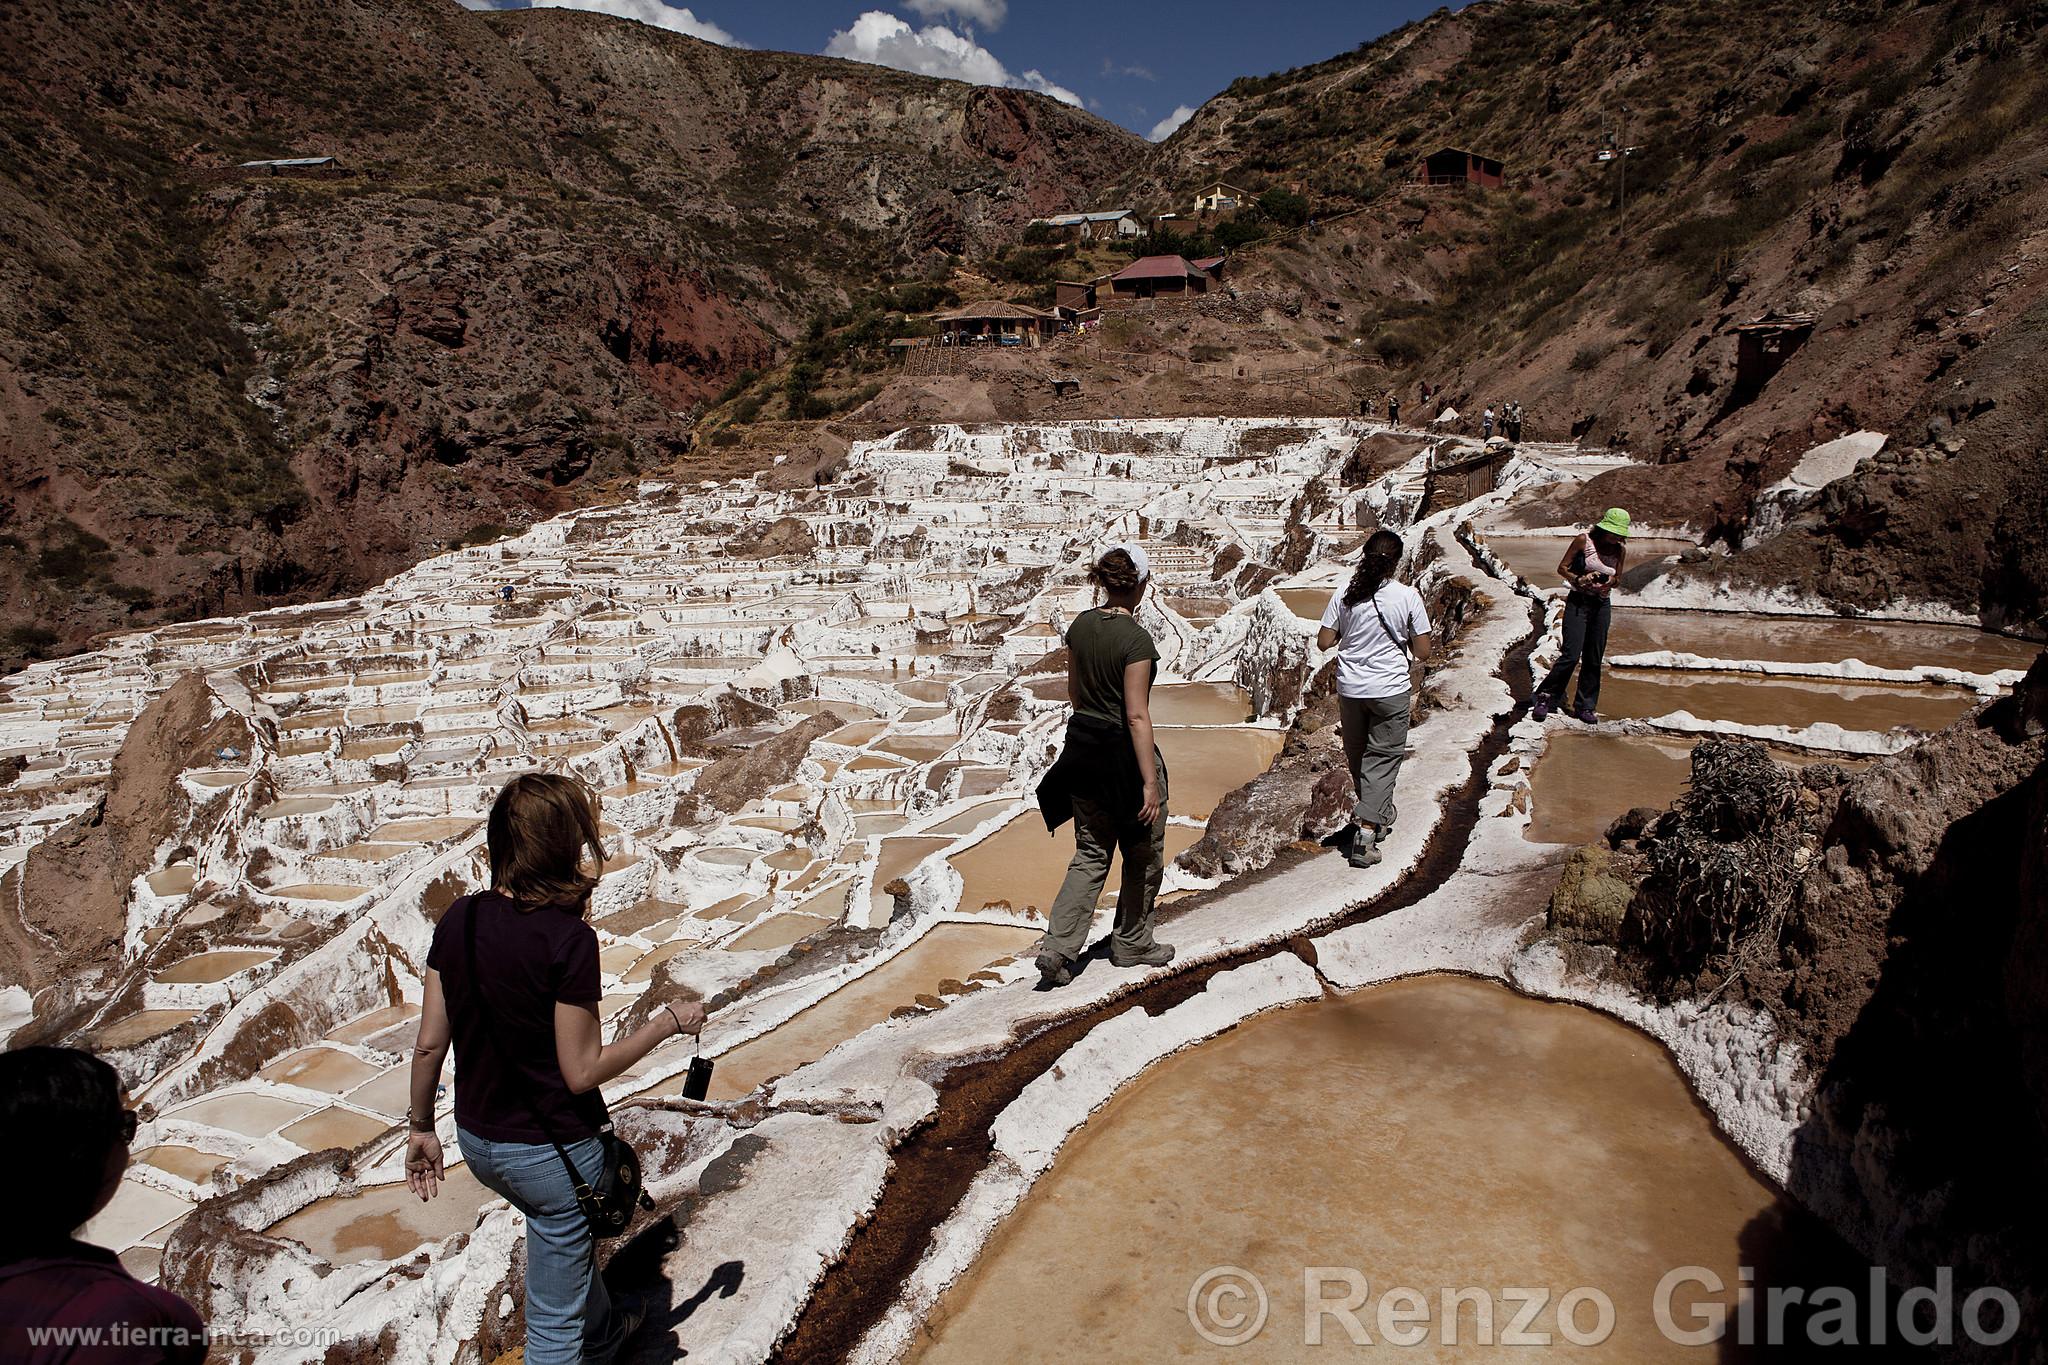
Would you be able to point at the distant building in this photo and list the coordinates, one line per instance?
(1088, 226)
(1009, 324)
(1151, 277)
(1762, 347)
(1221, 198)
(1455, 166)
(293, 165)
(1073, 296)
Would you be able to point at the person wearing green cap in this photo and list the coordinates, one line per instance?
(1591, 565)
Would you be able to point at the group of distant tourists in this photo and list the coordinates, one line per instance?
(1508, 421)
(512, 980)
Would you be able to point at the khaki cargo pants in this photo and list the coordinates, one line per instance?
(1098, 835)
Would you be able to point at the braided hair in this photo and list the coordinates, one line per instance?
(1382, 556)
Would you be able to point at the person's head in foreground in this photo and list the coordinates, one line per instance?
(1610, 533)
(543, 842)
(68, 1104)
(1121, 573)
(64, 1133)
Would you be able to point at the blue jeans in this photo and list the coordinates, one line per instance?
(568, 1311)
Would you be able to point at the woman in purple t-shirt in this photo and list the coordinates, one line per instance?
(530, 1077)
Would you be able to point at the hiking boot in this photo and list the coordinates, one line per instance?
(1584, 715)
(1365, 848)
(1542, 706)
(1158, 955)
(1053, 970)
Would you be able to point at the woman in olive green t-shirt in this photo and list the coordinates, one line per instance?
(1111, 664)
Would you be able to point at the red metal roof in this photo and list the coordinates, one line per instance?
(1210, 264)
(1157, 268)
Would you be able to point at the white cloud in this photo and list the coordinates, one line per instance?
(989, 13)
(934, 50)
(1032, 80)
(1169, 125)
(676, 18)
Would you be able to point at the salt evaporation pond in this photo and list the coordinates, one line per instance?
(947, 952)
(1814, 640)
(1584, 781)
(386, 1223)
(1200, 704)
(1437, 1132)
(1745, 699)
(1022, 866)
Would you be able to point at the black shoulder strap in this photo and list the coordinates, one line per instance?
(1375, 600)
(483, 1010)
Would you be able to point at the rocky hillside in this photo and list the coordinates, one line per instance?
(554, 233)
(1882, 165)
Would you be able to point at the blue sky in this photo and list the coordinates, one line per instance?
(1139, 64)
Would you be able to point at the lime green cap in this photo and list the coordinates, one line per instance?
(1615, 522)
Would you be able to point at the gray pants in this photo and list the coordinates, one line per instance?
(1375, 741)
(1100, 833)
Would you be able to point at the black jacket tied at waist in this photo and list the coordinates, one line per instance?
(1098, 764)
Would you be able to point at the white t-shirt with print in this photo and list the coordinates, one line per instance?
(1370, 663)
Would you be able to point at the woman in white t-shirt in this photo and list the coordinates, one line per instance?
(1379, 626)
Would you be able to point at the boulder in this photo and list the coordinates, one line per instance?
(1591, 898)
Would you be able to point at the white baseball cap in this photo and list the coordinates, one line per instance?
(1137, 554)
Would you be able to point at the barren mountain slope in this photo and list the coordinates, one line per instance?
(1882, 165)
(556, 233)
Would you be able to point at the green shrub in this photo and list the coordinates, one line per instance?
(31, 639)
(1284, 207)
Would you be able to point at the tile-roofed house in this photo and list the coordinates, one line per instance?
(1456, 166)
(997, 319)
(1150, 276)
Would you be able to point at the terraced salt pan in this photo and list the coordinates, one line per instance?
(249, 1114)
(368, 1026)
(333, 1126)
(320, 1068)
(947, 952)
(1584, 780)
(135, 1028)
(1649, 693)
(186, 1163)
(387, 1222)
(135, 1211)
(219, 965)
(776, 931)
(1441, 1132)
(1815, 640)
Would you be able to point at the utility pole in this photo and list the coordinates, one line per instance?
(1619, 150)
(1625, 149)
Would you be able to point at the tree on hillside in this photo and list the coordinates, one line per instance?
(1284, 206)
